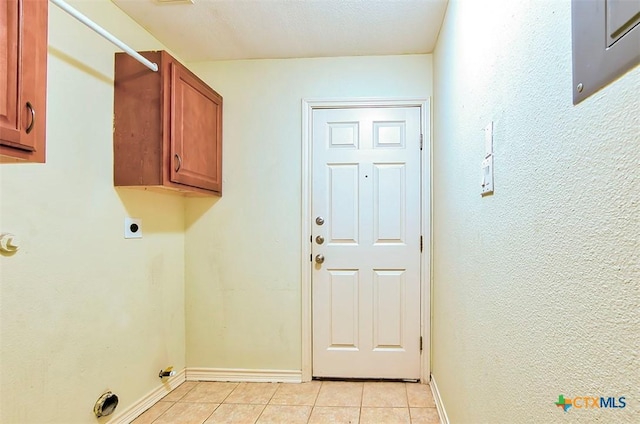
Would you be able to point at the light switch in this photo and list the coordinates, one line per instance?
(487, 163)
(487, 175)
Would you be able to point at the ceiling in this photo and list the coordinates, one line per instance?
(262, 29)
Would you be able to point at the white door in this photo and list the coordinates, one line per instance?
(366, 242)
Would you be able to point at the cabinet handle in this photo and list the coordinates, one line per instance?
(179, 162)
(33, 117)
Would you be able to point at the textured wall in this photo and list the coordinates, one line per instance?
(83, 310)
(243, 260)
(536, 288)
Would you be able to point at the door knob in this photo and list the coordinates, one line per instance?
(319, 239)
(319, 220)
(319, 259)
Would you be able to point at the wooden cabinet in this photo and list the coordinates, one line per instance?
(23, 80)
(167, 127)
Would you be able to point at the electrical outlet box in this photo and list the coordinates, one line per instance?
(132, 228)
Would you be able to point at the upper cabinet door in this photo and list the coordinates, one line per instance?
(196, 131)
(23, 63)
(168, 128)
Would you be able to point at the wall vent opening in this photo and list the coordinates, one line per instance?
(105, 405)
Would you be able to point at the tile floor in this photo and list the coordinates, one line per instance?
(314, 402)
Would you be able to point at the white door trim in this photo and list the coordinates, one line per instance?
(308, 105)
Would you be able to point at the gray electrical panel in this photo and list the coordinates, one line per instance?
(606, 43)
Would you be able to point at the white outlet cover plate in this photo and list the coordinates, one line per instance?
(487, 176)
(130, 230)
(488, 139)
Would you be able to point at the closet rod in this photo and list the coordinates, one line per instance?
(88, 22)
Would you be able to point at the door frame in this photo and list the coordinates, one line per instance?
(308, 105)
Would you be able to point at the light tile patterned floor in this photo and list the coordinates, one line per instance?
(315, 402)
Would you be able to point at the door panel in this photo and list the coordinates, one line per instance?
(389, 299)
(9, 67)
(343, 223)
(344, 309)
(366, 293)
(389, 204)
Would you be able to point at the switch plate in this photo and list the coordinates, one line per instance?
(132, 228)
(488, 139)
(487, 175)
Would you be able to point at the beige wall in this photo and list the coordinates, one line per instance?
(81, 309)
(243, 260)
(536, 288)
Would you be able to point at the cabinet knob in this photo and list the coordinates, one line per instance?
(319, 259)
(179, 164)
(33, 117)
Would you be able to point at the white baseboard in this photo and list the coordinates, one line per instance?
(444, 419)
(249, 375)
(146, 402)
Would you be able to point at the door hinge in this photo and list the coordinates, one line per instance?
(420, 343)
(420, 244)
(421, 141)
